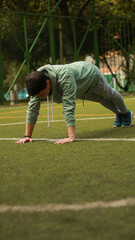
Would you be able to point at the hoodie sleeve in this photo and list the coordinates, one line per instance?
(33, 110)
(68, 87)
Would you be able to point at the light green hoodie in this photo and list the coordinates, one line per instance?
(68, 82)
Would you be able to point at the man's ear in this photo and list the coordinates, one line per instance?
(48, 82)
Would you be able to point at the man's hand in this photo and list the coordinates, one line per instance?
(65, 140)
(71, 138)
(24, 140)
(28, 133)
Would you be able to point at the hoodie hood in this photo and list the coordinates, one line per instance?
(56, 91)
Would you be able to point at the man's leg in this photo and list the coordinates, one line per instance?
(110, 96)
(111, 99)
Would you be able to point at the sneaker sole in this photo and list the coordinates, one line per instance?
(116, 126)
(131, 121)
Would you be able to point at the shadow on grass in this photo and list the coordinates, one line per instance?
(103, 133)
(109, 133)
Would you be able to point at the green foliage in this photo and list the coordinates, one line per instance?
(120, 29)
(11, 74)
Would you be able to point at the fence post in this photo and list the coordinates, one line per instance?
(27, 54)
(51, 32)
(76, 56)
(1, 78)
(95, 34)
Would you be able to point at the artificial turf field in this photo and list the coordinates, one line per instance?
(42, 185)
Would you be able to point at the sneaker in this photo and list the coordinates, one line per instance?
(118, 120)
(127, 119)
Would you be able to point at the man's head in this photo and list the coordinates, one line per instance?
(36, 82)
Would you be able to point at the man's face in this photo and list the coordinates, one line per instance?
(45, 92)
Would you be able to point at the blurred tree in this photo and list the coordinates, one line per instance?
(67, 8)
(11, 73)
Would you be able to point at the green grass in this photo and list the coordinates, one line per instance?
(66, 173)
(94, 224)
(84, 171)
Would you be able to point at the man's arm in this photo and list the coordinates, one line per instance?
(32, 114)
(69, 88)
(71, 136)
(28, 133)
(29, 129)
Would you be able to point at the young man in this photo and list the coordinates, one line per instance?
(66, 83)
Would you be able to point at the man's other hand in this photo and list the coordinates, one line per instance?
(65, 140)
(24, 140)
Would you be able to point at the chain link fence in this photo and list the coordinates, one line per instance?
(29, 41)
(116, 37)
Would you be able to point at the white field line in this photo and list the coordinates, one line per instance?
(79, 119)
(128, 99)
(69, 207)
(77, 139)
(10, 124)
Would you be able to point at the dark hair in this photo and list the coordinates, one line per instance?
(35, 82)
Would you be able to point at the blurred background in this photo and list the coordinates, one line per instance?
(35, 33)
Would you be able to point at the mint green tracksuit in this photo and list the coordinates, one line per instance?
(78, 80)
